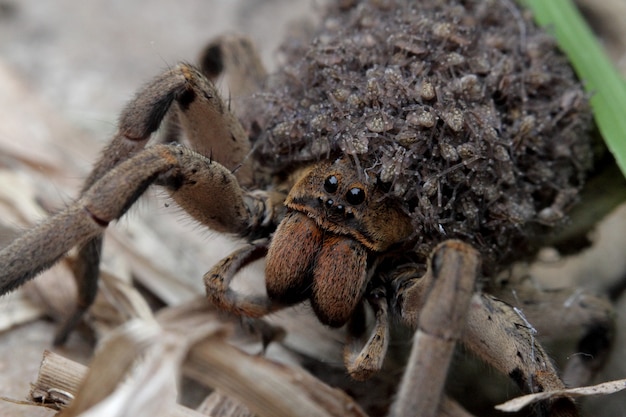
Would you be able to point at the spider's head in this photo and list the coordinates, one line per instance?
(320, 250)
(345, 202)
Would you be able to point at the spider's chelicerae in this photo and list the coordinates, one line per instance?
(399, 162)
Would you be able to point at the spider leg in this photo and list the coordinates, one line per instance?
(568, 315)
(451, 277)
(364, 360)
(217, 283)
(230, 61)
(495, 331)
(209, 125)
(179, 169)
(236, 57)
(212, 128)
(502, 336)
(141, 117)
(126, 168)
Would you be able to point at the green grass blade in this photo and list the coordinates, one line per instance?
(608, 88)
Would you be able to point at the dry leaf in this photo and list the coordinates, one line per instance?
(269, 389)
(605, 388)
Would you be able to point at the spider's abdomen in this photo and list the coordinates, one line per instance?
(465, 110)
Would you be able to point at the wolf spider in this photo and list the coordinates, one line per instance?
(330, 235)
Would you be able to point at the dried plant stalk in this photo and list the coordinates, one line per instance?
(220, 405)
(60, 379)
(605, 388)
(268, 388)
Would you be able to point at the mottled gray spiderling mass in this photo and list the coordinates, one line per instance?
(463, 109)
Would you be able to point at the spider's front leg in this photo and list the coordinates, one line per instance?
(447, 287)
(438, 307)
(564, 315)
(495, 331)
(127, 168)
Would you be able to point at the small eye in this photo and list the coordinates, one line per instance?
(355, 196)
(331, 184)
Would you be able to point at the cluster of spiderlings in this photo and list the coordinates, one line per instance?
(464, 109)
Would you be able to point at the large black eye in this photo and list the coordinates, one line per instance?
(355, 196)
(331, 184)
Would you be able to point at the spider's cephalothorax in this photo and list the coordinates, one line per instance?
(335, 219)
(409, 141)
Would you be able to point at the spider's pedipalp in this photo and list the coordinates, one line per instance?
(219, 292)
(364, 361)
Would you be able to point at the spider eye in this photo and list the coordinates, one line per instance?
(331, 184)
(355, 196)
